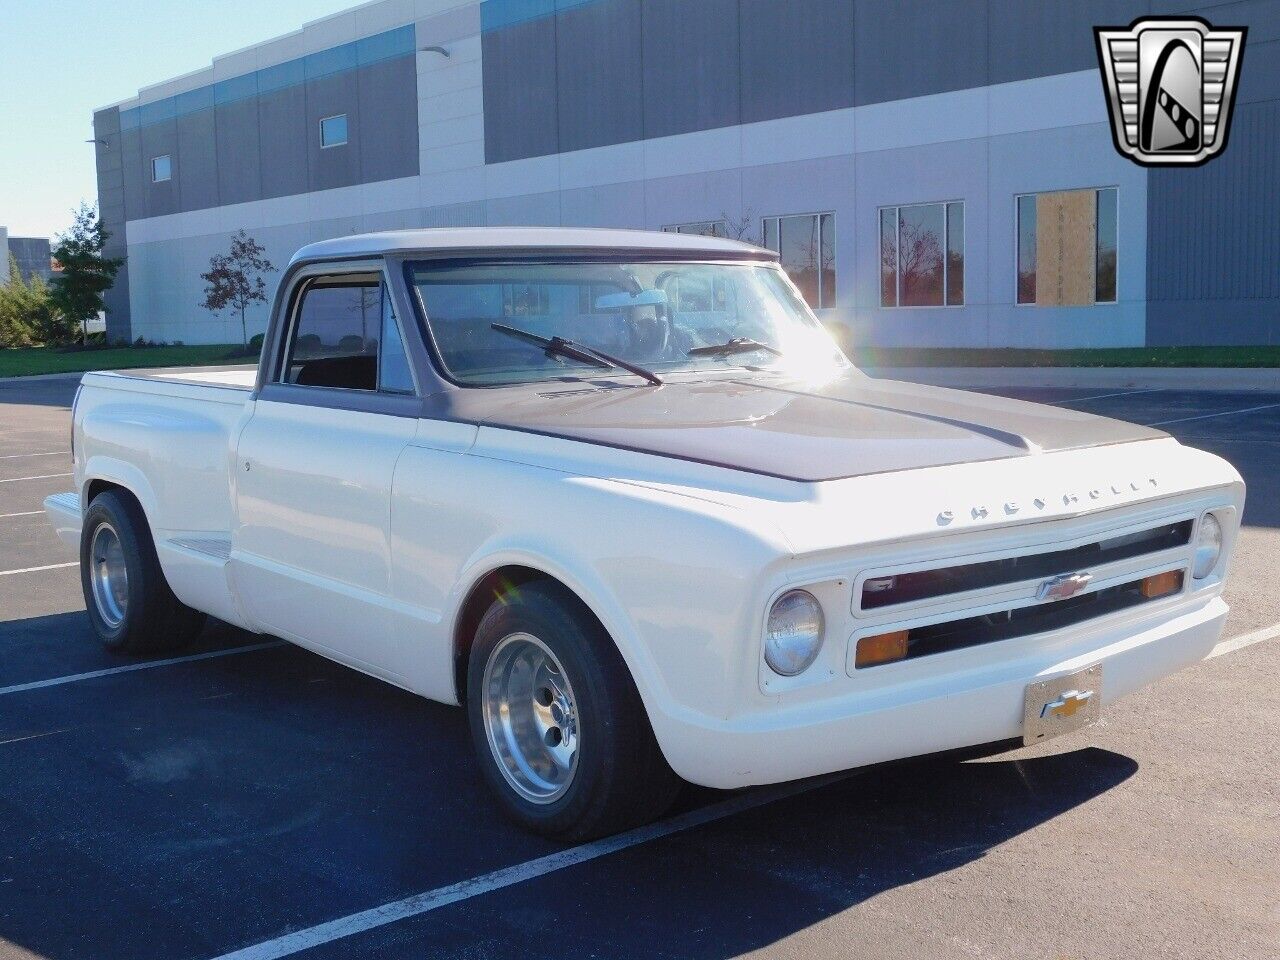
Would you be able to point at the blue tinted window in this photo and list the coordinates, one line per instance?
(1105, 267)
(384, 46)
(327, 62)
(161, 169)
(333, 131)
(1027, 249)
(279, 76)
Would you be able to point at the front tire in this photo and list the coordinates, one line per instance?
(557, 723)
(129, 601)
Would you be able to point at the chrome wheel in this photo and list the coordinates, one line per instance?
(109, 575)
(530, 718)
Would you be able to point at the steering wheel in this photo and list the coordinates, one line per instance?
(643, 346)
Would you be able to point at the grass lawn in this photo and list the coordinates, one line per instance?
(34, 360)
(1109, 357)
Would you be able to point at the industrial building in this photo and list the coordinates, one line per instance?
(32, 255)
(902, 155)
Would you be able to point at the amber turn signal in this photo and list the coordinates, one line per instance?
(1162, 584)
(882, 648)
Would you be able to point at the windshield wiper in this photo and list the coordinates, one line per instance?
(559, 346)
(730, 347)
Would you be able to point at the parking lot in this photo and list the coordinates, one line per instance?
(254, 800)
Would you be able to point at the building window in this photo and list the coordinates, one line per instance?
(333, 131)
(1067, 247)
(707, 228)
(526, 300)
(922, 255)
(161, 169)
(806, 246)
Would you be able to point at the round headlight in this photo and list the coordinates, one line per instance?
(1208, 546)
(794, 634)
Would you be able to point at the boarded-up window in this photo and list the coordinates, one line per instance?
(1067, 248)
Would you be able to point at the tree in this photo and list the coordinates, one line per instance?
(27, 315)
(740, 228)
(235, 278)
(86, 274)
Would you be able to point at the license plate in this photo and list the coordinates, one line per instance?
(1061, 704)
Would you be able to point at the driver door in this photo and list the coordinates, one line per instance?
(312, 546)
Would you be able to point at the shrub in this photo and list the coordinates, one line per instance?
(27, 313)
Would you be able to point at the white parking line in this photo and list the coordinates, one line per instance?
(298, 940)
(134, 667)
(1247, 640)
(1210, 416)
(1104, 396)
(25, 513)
(19, 456)
(43, 476)
(48, 566)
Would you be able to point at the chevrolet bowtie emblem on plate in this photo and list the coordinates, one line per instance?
(1066, 705)
(1060, 588)
(1170, 84)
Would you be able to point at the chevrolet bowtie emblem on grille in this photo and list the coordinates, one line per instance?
(1060, 588)
(1067, 705)
(1170, 84)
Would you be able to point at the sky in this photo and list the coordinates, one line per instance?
(61, 59)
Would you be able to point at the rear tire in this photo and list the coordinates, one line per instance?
(129, 601)
(558, 726)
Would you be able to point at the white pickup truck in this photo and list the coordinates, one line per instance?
(621, 495)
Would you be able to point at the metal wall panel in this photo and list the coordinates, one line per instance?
(691, 61)
(1041, 39)
(195, 166)
(160, 139)
(388, 115)
(135, 202)
(520, 90)
(1213, 274)
(256, 136)
(598, 73)
(337, 166)
(912, 48)
(283, 141)
(1259, 71)
(797, 57)
(238, 145)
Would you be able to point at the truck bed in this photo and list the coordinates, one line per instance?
(239, 377)
(166, 435)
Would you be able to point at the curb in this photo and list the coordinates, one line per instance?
(1224, 379)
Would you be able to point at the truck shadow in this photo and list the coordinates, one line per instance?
(745, 884)
(221, 802)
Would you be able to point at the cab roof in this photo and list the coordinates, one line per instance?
(478, 240)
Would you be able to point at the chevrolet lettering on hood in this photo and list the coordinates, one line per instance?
(1012, 508)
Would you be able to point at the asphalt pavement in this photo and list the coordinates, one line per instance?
(254, 800)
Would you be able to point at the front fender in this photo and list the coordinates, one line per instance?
(676, 581)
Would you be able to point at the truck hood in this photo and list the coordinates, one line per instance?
(792, 429)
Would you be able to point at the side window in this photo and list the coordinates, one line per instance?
(339, 325)
(393, 364)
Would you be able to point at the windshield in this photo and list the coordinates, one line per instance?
(664, 317)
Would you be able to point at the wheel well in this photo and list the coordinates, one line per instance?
(492, 586)
(96, 487)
